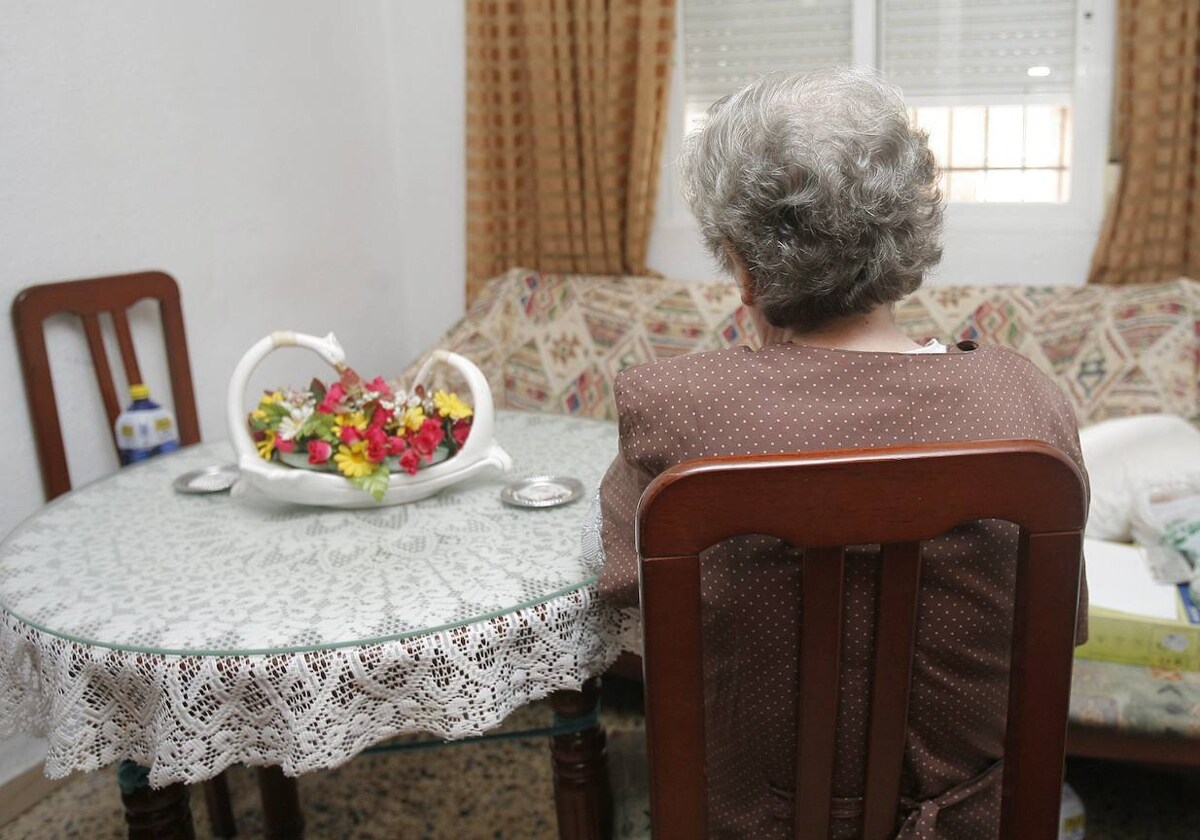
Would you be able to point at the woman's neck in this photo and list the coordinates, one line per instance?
(870, 331)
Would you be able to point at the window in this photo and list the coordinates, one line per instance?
(993, 82)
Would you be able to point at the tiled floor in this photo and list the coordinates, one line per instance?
(503, 790)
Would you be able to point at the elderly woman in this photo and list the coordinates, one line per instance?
(819, 198)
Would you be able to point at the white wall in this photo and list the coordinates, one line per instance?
(293, 164)
(426, 43)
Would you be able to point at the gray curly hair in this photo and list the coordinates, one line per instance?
(823, 190)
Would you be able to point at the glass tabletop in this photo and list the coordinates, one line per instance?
(130, 564)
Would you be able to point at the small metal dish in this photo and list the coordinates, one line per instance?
(539, 491)
(215, 479)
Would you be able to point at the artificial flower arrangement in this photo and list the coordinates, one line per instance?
(363, 430)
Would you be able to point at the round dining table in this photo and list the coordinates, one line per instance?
(191, 632)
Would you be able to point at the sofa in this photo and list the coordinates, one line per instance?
(554, 343)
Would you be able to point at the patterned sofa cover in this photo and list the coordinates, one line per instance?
(554, 343)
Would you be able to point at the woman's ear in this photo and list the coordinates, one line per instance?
(741, 275)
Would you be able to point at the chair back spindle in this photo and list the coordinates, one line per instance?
(822, 502)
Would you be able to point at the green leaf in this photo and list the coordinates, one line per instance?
(318, 389)
(276, 412)
(375, 483)
(318, 426)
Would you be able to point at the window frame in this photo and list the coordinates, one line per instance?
(1091, 109)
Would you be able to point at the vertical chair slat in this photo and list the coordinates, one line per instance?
(820, 649)
(1047, 589)
(182, 392)
(104, 378)
(674, 667)
(895, 637)
(133, 374)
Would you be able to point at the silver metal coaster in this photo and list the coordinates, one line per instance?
(208, 480)
(538, 491)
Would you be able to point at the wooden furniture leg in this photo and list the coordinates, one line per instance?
(220, 808)
(1165, 751)
(282, 817)
(154, 814)
(582, 798)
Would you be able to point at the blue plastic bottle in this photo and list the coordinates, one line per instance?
(145, 428)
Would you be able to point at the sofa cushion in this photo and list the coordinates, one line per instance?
(1135, 699)
(554, 343)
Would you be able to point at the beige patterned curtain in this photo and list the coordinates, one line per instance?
(566, 112)
(1153, 228)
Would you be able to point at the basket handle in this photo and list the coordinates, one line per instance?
(328, 348)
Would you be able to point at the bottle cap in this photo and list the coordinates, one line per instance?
(139, 391)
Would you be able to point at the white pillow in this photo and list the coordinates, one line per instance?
(1123, 454)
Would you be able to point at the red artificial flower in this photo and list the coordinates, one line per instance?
(377, 446)
(349, 435)
(282, 445)
(376, 451)
(396, 445)
(319, 452)
(427, 440)
(333, 398)
(380, 387)
(460, 430)
(410, 460)
(381, 417)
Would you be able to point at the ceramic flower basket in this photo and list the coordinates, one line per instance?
(480, 452)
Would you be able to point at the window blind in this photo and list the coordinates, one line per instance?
(978, 48)
(729, 43)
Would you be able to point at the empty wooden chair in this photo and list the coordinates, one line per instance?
(90, 300)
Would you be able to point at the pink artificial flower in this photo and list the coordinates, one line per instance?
(333, 398)
(410, 460)
(282, 445)
(460, 430)
(396, 445)
(349, 435)
(319, 452)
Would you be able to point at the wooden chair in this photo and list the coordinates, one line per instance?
(89, 299)
(824, 502)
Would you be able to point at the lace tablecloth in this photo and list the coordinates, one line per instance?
(189, 633)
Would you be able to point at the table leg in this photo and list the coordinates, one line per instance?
(282, 817)
(582, 797)
(220, 808)
(154, 813)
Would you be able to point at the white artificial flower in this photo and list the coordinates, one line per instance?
(290, 426)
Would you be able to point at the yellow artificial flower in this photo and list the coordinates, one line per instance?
(357, 421)
(267, 445)
(414, 418)
(449, 405)
(352, 460)
(270, 399)
(258, 414)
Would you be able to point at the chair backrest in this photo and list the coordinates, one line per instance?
(823, 502)
(88, 299)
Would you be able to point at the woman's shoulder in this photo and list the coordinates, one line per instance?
(676, 375)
